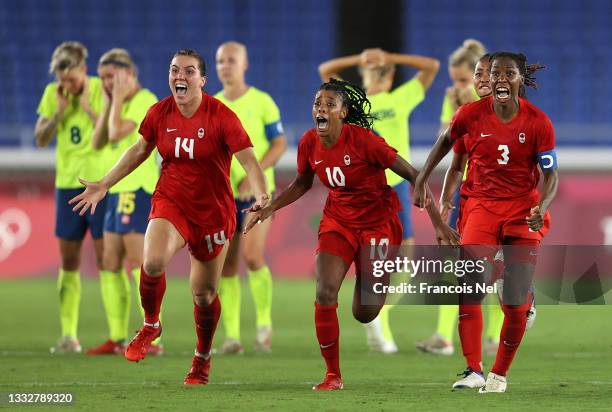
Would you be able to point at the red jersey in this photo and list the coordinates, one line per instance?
(196, 155)
(503, 157)
(354, 171)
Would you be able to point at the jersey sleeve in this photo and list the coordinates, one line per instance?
(48, 104)
(458, 125)
(303, 155)
(234, 135)
(409, 95)
(546, 136)
(376, 151)
(147, 127)
(137, 110)
(271, 118)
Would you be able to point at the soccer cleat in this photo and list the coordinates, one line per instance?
(66, 344)
(139, 346)
(263, 341)
(436, 345)
(231, 347)
(198, 374)
(471, 380)
(108, 348)
(332, 382)
(376, 340)
(489, 347)
(495, 384)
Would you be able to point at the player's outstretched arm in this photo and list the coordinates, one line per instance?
(440, 149)
(452, 180)
(252, 168)
(551, 182)
(300, 185)
(95, 191)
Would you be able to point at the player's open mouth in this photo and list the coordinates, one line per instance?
(180, 88)
(322, 123)
(484, 90)
(502, 93)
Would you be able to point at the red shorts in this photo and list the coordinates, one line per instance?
(490, 222)
(204, 242)
(346, 243)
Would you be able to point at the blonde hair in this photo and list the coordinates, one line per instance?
(67, 56)
(119, 58)
(468, 53)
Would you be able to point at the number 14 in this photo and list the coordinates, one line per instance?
(186, 144)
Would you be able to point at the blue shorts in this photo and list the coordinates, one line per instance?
(454, 214)
(241, 217)
(70, 225)
(403, 193)
(127, 212)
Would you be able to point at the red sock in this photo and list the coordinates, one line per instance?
(513, 329)
(470, 332)
(328, 335)
(152, 289)
(206, 319)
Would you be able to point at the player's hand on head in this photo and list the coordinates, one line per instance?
(94, 192)
(62, 99)
(535, 220)
(371, 58)
(466, 95)
(121, 85)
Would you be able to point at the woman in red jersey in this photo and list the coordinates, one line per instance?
(506, 138)
(196, 136)
(361, 209)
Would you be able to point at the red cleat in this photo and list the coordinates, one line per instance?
(155, 349)
(139, 346)
(198, 374)
(108, 348)
(332, 382)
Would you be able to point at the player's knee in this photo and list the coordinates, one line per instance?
(111, 263)
(254, 261)
(364, 316)
(327, 295)
(70, 262)
(204, 297)
(230, 268)
(154, 266)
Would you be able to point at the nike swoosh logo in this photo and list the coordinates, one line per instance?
(170, 130)
(327, 346)
(318, 161)
(486, 135)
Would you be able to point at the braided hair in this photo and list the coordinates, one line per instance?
(355, 100)
(525, 70)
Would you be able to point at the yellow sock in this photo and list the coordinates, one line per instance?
(69, 287)
(447, 321)
(261, 288)
(115, 288)
(229, 295)
(496, 321)
(384, 322)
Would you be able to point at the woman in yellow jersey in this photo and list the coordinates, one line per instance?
(392, 109)
(468, 68)
(128, 205)
(260, 118)
(69, 109)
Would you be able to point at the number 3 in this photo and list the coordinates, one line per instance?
(504, 154)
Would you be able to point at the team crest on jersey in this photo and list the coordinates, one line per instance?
(347, 160)
(522, 137)
(200, 133)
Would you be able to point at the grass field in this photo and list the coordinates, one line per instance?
(565, 362)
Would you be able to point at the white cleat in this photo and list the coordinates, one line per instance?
(495, 384)
(376, 340)
(531, 313)
(436, 345)
(263, 340)
(470, 380)
(66, 344)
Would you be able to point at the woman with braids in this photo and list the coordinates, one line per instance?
(391, 109)
(506, 139)
(361, 209)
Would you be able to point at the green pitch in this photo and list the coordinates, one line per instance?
(565, 362)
